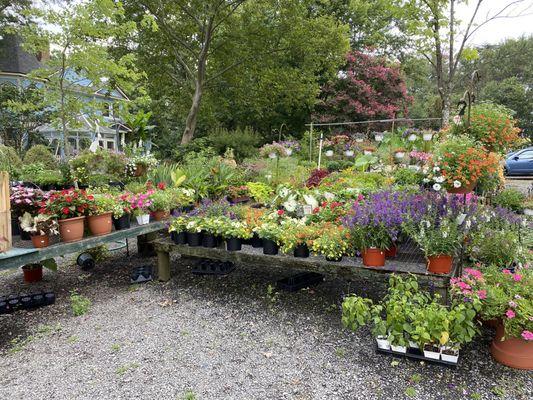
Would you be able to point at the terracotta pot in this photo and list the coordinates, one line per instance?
(513, 352)
(160, 215)
(391, 251)
(100, 225)
(463, 189)
(33, 273)
(140, 169)
(71, 229)
(441, 264)
(40, 241)
(373, 257)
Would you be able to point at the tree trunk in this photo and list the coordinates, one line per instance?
(446, 109)
(192, 117)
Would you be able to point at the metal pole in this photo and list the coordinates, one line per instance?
(311, 143)
(320, 149)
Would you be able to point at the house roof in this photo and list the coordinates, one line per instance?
(13, 58)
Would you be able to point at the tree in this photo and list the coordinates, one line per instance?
(368, 88)
(80, 62)
(11, 12)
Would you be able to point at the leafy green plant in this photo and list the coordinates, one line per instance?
(407, 176)
(80, 304)
(161, 200)
(496, 247)
(100, 166)
(442, 238)
(231, 228)
(269, 231)
(101, 203)
(511, 199)
(243, 142)
(333, 242)
(40, 154)
(10, 161)
(260, 192)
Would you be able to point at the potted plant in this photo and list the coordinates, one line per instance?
(122, 211)
(178, 230)
(69, 207)
(238, 194)
(211, 230)
(528, 207)
(100, 214)
(194, 231)
(138, 164)
(24, 199)
(399, 153)
(140, 205)
(270, 233)
(368, 150)
(328, 146)
(462, 328)
(40, 228)
(296, 237)
(161, 203)
(32, 273)
(333, 242)
(234, 231)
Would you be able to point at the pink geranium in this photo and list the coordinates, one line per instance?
(510, 314)
(517, 277)
(527, 335)
(482, 294)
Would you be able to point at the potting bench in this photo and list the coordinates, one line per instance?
(348, 268)
(19, 256)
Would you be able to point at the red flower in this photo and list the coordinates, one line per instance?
(80, 209)
(66, 210)
(90, 197)
(68, 199)
(161, 185)
(281, 212)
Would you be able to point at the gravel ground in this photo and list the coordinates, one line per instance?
(216, 338)
(524, 184)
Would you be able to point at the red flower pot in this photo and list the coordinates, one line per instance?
(513, 352)
(40, 241)
(100, 224)
(441, 264)
(373, 257)
(160, 215)
(463, 189)
(71, 229)
(391, 251)
(32, 273)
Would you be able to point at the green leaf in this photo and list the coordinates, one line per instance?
(50, 264)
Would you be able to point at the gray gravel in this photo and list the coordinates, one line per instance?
(216, 338)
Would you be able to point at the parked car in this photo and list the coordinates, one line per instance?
(519, 162)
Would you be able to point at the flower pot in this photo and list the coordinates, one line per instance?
(15, 227)
(140, 170)
(329, 153)
(233, 244)
(334, 259)
(194, 239)
(528, 211)
(40, 241)
(160, 215)
(33, 273)
(367, 152)
(270, 247)
(256, 241)
(23, 234)
(513, 352)
(122, 222)
(209, 240)
(383, 343)
(399, 155)
(441, 264)
(301, 251)
(71, 229)
(431, 352)
(398, 349)
(449, 354)
(143, 219)
(100, 225)
(179, 237)
(463, 189)
(491, 323)
(391, 252)
(373, 257)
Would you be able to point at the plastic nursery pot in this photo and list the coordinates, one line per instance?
(233, 244)
(373, 257)
(301, 251)
(85, 261)
(32, 273)
(179, 237)
(432, 352)
(398, 349)
(40, 241)
(122, 222)
(194, 239)
(209, 240)
(15, 227)
(463, 189)
(256, 242)
(71, 229)
(334, 259)
(449, 354)
(441, 264)
(513, 352)
(270, 247)
(391, 252)
(160, 215)
(143, 219)
(23, 234)
(100, 225)
(382, 342)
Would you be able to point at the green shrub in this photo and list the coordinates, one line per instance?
(40, 154)
(244, 142)
(79, 303)
(511, 199)
(338, 165)
(100, 166)
(406, 176)
(198, 146)
(38, 174)
(10, 161)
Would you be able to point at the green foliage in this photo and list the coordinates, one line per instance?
(496, 247)
(260, 192)
(36, 173)
(406, 176)
(40, 154)
(99, 253)
(98, 168)
(161, 200)
(166, 173)
(80, 304)
(10, 161)
(243, 142)
(338, 165)
(511, 199)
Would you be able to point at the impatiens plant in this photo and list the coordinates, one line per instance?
(25, 199)
(122, 205)
(140, 203)
(67, 204)
(101, 203)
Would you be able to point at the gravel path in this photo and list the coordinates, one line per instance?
(216, 338)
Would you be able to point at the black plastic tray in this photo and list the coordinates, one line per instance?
(300, 281)
(213, 267)
(9, 304)
(417, 354)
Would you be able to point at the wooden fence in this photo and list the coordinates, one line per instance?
(5, 213)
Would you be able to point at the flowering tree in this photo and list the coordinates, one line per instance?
(369, 88)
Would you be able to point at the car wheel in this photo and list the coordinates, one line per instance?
(505, 171)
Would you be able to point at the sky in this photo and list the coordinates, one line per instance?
(497, 30)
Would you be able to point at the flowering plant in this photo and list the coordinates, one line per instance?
(178, 224)
(331, 211)
(160, 200)
(233, 228)
(238, 191)
(420, 156)
(137, 159)
(41, 224)
(292, 145)
(101, 203)
(333, 242)
(140, 203)
(296, 233)
(122, 205)
(273, 148)
(66, 204)
(499, 247)
(436, 235)
(269, 231)
(25, 199)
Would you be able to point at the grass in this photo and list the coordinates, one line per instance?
(79, 303)
(73, 339)
(18, 343)
(115, 347)
(125, 368)
(188, 395)
(340, 352)
(410, 392)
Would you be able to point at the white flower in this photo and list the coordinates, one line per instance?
(436, 187)
(329, 196)
(425, 170)
(425, 180)
(456, 184)
(468, 224)
(427, 223)
(457, 119)
(439, 179)
(436, 169)
(445, 234)
(460, 218)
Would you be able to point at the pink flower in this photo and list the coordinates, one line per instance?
(512, 304)
(474, 272)
(517, 296)
(510, 314)
(517, 277)
(527, 335)
(464, 286)
(482, 294)
(506, 272)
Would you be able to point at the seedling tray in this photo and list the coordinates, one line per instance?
(9, 304)
(417, 354)
(300, 281)
(141, 274)
(213, 267)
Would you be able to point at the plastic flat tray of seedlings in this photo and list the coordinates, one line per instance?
(300, 281)
(416, 354)
(12, 303)
(213, 267)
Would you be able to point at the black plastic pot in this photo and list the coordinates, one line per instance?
(194, 239)
(49, 298)
(3, 307)
(26, 302)
(179, 237)
(233, 244)
(209, 240)
(85, 261)
(270, 247)
(15, 227)
(38, 299)
(301, 251)
(122, 222)
(24, 235)
(334, 259)
(256, 242)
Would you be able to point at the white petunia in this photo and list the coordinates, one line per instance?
(425, 180)
(456, 184)
(436, 169)
(436, 187)
(439, 179)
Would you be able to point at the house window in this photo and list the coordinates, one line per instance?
(107, 110)
(107, 142)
